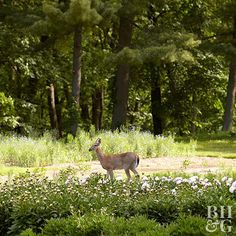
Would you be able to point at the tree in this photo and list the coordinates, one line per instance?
(231, 89)
(80, 15)
(127, 13)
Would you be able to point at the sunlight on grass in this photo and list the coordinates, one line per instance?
(216, 148)
(46, 150)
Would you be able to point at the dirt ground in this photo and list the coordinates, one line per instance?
(198, 165)
(190, 165)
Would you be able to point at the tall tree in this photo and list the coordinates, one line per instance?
(127, 13)
(80, 15)
(231, 89)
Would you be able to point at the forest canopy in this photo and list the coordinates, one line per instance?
(160, 66)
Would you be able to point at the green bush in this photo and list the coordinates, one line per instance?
(191, 225)
(100, 224)
(32, 202)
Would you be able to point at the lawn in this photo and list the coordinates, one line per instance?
(217, 145)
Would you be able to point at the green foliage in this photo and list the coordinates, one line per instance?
(35, 152)
(7, 112)
(96, 206)
(189, 41)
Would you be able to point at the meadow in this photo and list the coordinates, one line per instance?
(42, 151)
(161, 204)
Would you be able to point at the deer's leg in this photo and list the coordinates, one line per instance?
(128, 174)
(135, 172)
(110, 174)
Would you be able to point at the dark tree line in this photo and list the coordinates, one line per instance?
(164, 66)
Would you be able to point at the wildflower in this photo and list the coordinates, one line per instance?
(193, 179)
(144, 178)
(194, 186)
(234, 184)
(83, 180)
(224, 179)
(229, 181)
(145, 186)
(207, 184)
(69, 180)
(233, 187)
(157, 178)
(119, 178)
(217, 182)
(178, 180)
(167, 179)
(174, 192)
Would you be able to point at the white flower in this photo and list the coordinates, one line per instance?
(164, 178)
(207, 184)
(83, 180)
(194, 186)
(217, 182)
(119, 178)
(234, 184)
(193, 179)
(229, 181)
(144, 178)
(232, 189)
(173, 191)
(167, 179)
(69, 180)
(178, 180)
(206, 180)
(224, 179)
(145, 186)
(157, 178)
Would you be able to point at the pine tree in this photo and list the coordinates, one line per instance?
(79, 16)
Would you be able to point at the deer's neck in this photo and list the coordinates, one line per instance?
(99, 153)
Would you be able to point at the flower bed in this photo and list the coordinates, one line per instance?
(31, 204)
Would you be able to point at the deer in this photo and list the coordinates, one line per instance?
(127, 161)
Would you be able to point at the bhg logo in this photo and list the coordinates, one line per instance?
(219, 218)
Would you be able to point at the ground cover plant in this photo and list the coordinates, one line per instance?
(46, 150)
(31, 204)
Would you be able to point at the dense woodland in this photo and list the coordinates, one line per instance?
(159, 65)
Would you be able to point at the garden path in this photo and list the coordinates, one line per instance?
(191, 165)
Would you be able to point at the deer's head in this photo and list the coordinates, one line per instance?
(95, 145)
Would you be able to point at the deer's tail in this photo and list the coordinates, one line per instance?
(137, 161)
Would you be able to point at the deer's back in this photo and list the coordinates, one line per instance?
(120, 161)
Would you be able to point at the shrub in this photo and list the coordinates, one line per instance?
(31, 202)
(191, 225)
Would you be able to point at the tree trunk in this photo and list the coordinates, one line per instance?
(229, 108)
(156, 99)
(85, 113)
(97, 108)
(52, 107)
(76, 80)
(122, 77)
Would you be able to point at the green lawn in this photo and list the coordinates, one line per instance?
(216, 148)
(216, 145)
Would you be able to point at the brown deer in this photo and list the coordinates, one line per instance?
(127, 161)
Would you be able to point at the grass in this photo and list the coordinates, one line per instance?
(215, 145)
(18, 154)
(216, 148)
(44, 151)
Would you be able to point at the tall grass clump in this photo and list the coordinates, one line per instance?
(144, 144)
(46, 150)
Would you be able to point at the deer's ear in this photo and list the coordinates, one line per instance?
(98, 141)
